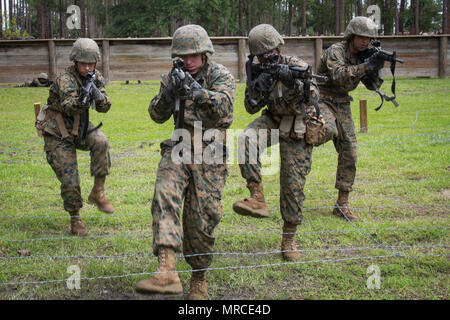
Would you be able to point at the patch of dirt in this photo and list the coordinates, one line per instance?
(445, 194)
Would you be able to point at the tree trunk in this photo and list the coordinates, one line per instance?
(358, 8)
(82, 19)
(400, 19)
(396, 17)
(416, 17)
(10, 13)
(303, 18)
(279, 16)
(445, 14)
(341, 16)
(336, 17)
(249, 16)
(240, 13)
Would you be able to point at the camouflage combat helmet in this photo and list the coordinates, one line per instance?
(43, 76)
(85, 50)
(361, 26)
(191, 39)
(263, 38)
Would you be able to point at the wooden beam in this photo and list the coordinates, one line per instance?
(363, 116)
(52, 60)
(105, 59)
(318, 44)
(443, 43)
(241, 60)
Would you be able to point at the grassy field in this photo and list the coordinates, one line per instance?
(401, 194)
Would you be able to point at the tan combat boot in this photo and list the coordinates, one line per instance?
(288, 246)
(254, 206)
(165, 282)
(343, 208)
(199, 288)
(76, 224)
(98, 196)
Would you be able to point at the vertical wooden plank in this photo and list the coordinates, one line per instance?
(363, 115)
(37, 108)
(52, 59)
(105, 59)
(318, 44)
(241, 60)
(443, 42)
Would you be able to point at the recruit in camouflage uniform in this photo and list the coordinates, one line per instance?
(345, 70)
(283, 108)
(61, 128)
(211, 97)
(41, 81)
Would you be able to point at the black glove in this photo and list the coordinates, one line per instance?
(374, 63)
(192, 87)
(285, 76)
(97, 94)
(263, 82)
(169, 91)
(84, 103)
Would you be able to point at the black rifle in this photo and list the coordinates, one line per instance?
(89, 102)
(178, 81)
(375, 47)
(271, 67)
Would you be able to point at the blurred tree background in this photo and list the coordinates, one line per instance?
(25, 19)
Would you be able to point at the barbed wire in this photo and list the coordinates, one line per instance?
(226, 268)
(181, 256)
(270, 187)
(220, 234)
(409, 205)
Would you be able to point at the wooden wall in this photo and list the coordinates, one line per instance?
(147, 59)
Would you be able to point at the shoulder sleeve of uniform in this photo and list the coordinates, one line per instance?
(338, 69)
(218, 96)
(68, 92)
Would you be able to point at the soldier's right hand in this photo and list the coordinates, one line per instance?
(84, 103)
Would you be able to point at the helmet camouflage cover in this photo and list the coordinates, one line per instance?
(263, 38)
(85, 50)
(191, 39)
(43, 75)
(361, 26)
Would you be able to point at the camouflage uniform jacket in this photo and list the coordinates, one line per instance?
(214, 107)
(344, 71)
(64, 98)
(290, 101)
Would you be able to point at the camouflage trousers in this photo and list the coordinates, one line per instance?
(295, 166)
(62, 157)
(200, 185)
(339, 116)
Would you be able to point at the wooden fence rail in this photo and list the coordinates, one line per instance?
(148, 58)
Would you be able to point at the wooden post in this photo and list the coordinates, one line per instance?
(443, 42)
(52, 59)
(241, 61)
(37, 108)
(318, 44)
(363, 116)
(105, 59)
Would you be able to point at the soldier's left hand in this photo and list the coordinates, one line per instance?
(285, 76)
(97, 95)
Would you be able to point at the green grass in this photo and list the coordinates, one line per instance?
(401, 194)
